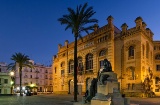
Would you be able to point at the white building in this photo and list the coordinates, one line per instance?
(5, 79)
(39, 77)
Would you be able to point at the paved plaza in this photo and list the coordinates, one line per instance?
(50, 99)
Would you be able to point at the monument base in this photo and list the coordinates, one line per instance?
(101, 102)
(81, 103)
(118, 101)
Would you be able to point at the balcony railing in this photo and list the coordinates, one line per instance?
(37, 77)
(26, 83)
(89, 71)
(50, 78)
(80, 72)
(37, 71)
(25, 76)
(25, 70)
(71, 73)
(46, 77)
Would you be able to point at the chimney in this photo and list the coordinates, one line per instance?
(124, 28)
(59, 46)
(96, 27)
(138, 22)
(110, 20)
(66, 43)
(144, 25)
(54, 57)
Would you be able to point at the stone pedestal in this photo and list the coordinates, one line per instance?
(108, 91)
(118, 101)
(99, 102)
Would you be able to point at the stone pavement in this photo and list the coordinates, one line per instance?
(37, 100)
(51, 99)
(145, 101)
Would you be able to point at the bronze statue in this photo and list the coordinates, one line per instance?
(107, 66)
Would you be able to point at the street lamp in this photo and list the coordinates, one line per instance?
(12, 81)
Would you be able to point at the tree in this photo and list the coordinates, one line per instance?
(20, 60)
(76, 20)
(147, 84)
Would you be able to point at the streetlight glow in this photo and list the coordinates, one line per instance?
(12, 82)
(11, 73)
(23, 88)
(32, 85)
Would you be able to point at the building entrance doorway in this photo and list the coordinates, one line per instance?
(70, 87)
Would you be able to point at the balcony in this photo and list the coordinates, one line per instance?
(46, 78)
(89, 71)
(70, 74)
(25, 70)
(36, 71)
(25, 76)
(46, 71)
(50, 78)
(36, 77)
(80, 72)
(26, 83)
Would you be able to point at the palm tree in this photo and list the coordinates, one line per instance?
(20, 60)
(76, 21)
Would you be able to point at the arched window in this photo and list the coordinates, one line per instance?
(62, 64)
(157, 80)
(143, 50)
(71, 66)
(80, 64)
(147, 50)
(102, 53)
(46, 71)
(131, 52)
(89, 61)
(55, 70)
(157, 57)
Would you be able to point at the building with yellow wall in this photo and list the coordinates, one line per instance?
(132, 53)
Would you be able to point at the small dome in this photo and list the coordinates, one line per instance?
(124, 25)
(138, 18)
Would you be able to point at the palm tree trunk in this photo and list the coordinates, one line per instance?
(75, 69)
(20, 75)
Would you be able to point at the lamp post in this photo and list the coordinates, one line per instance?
(12, 81)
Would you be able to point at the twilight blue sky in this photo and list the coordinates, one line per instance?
(31, 26)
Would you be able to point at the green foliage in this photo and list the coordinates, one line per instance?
(147, 85)
(20, 61)
(76, 20)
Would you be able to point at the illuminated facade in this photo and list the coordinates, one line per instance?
(132, 52)
(40, 77)
(5, 80)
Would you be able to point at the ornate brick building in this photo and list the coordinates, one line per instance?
(132, 53)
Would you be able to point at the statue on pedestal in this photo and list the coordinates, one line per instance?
(106, 68)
